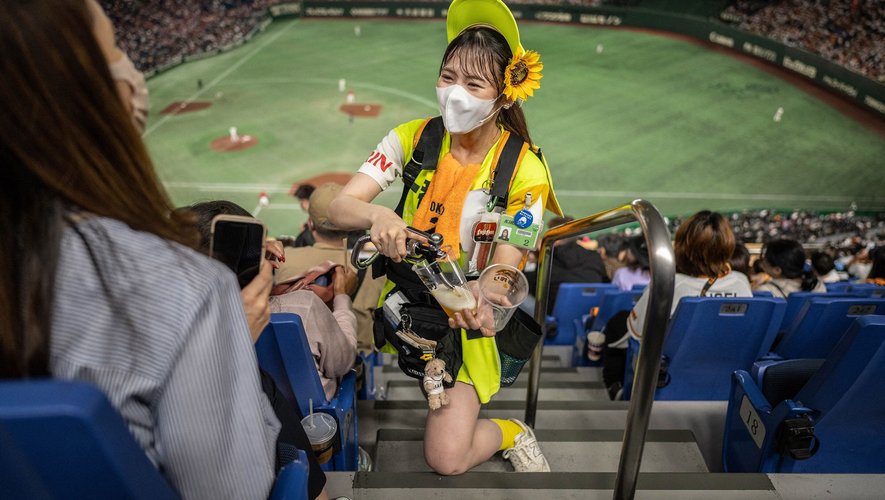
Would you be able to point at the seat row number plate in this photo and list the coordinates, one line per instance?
(752, 422)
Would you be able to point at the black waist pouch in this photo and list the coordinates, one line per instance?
(428, 323)
(516, 343)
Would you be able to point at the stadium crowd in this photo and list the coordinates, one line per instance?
(844, 31)
(845, 237)
(848, 32)
(158, 32)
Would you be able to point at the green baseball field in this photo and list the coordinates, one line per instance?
(620, 115)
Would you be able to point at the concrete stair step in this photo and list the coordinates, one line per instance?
(402, 450)
(657, 486)
(387, 373)
(704, 418)
(558, 485)
(551, 390)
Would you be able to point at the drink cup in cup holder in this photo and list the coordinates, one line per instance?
(321, 430)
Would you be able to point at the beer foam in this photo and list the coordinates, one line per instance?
(454, 299)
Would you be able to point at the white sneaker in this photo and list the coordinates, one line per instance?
(526, 455)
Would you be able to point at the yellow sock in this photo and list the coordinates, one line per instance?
(509, 431)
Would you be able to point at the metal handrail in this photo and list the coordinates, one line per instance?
(663, 276)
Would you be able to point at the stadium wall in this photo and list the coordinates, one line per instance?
(837, 79)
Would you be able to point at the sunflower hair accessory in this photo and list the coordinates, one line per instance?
(523, 75)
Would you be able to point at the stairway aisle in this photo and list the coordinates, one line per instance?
(578, 428)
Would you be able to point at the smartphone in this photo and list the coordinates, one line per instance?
(238, 242)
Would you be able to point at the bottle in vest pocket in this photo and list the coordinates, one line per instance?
(484, 232)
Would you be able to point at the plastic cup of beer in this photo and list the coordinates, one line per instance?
(446, 282)
(502, 288)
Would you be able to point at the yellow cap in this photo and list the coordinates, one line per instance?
(463, 14)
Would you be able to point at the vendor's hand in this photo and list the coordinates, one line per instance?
(255, 297)
(389, 235)
(481, 318)
(344, 280)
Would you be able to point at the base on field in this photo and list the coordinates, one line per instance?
(225, 145)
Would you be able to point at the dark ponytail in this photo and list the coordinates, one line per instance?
(809, 281)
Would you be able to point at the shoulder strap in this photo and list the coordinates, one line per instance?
(707, 285)
(424, 157)
(513, 151)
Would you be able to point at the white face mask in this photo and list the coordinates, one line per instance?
(124, 71)
(461, 111)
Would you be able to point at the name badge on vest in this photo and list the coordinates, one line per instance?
(511, 233)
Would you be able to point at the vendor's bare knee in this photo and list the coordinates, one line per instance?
(447, 466)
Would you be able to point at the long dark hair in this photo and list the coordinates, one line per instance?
(789, 256)
(486, 52)
(877, 271)
(66, 143)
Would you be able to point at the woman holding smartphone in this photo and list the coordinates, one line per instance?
(484, 76)
(99, 281)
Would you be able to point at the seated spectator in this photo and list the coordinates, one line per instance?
(636, 271)
(325, 310)
(824, 268)
(302, 194)
(757, 275)
(860, 265)
(702, 248)
(110, 290)
(329, 245)
(292, 434)
(877, 271)
(571, 263)
(784, 262)
(608, 246)
(740, 259)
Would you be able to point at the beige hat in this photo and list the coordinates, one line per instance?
(318, 210)
(299, 268)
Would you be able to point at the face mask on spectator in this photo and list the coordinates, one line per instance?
(124, 71)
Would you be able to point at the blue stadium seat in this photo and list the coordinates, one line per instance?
(839, 404)
(837, 287)
(291, 482)
(707, 339)
(821, 323)
(63, 439)
(613, 302)
(572, 302)
(368, 362)
(797, 300)
(284, 353)
(762, 293)
(866, 290)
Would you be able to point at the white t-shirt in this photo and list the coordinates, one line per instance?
(733, 284)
